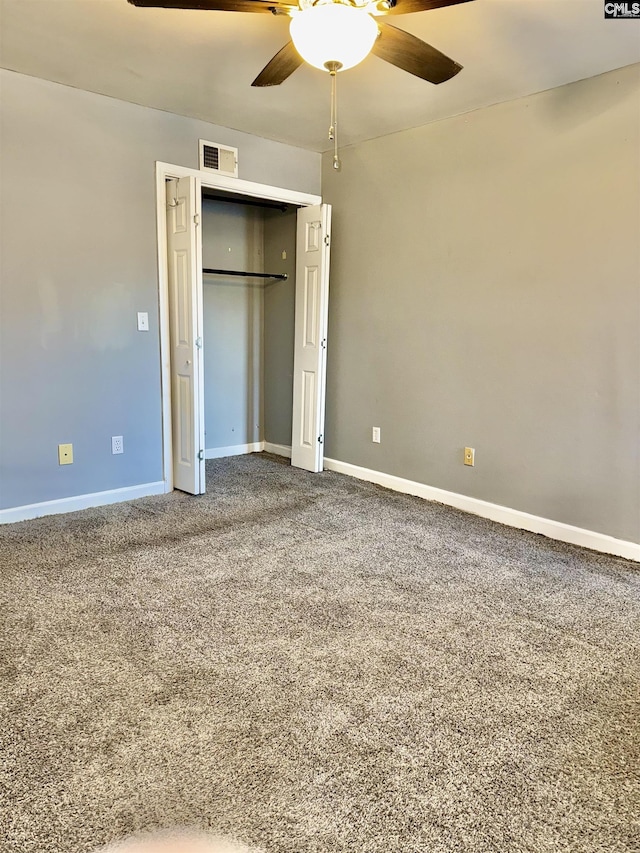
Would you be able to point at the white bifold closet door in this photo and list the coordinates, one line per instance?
(310, 350)
(185, 294)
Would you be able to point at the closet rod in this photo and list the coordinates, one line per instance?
(279, 276)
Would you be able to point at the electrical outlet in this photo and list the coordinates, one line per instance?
(65, 454)
(375, 435)
(469, 456)
(117, 444)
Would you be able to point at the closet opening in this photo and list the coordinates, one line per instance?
(243, 293)
(248, 290)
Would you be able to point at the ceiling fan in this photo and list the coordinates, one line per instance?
(338, 33)
(334, 35)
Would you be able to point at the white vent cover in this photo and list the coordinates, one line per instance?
(218, 158)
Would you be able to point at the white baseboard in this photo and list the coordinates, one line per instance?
(504, 515)
(240, 449)
(112, 496)
(278, 449)
(234, 450)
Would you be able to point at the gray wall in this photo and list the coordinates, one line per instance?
(485, 291)
(232, 238)
(279, 325)
(78, 250)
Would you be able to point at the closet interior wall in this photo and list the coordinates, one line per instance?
(279, 324)
(248, 326)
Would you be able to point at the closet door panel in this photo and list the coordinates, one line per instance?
(310, 351)
(186, 367)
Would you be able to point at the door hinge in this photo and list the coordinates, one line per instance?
(200, 455)
(199, 343)
(323, 343)
(320, 439)
(327, 239)
(196, 219)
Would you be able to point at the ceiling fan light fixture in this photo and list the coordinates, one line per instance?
(333, 34)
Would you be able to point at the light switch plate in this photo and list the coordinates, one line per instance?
(143, 321)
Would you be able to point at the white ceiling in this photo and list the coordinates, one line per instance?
(201, 64)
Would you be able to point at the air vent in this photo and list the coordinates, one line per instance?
(218, 158)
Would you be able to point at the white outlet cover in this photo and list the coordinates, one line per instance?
(117, 444)
(143, 321)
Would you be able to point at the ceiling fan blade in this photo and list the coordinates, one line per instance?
(272, 6)
(413, 55)
(403, 7)
(283, 64)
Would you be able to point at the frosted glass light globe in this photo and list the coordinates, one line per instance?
(333, 32)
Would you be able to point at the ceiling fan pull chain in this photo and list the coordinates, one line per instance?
(333, 129)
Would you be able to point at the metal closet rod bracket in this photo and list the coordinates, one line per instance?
(279, 276)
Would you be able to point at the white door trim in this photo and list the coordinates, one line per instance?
(164, 172)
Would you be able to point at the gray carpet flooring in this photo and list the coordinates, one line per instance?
(309, 663)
